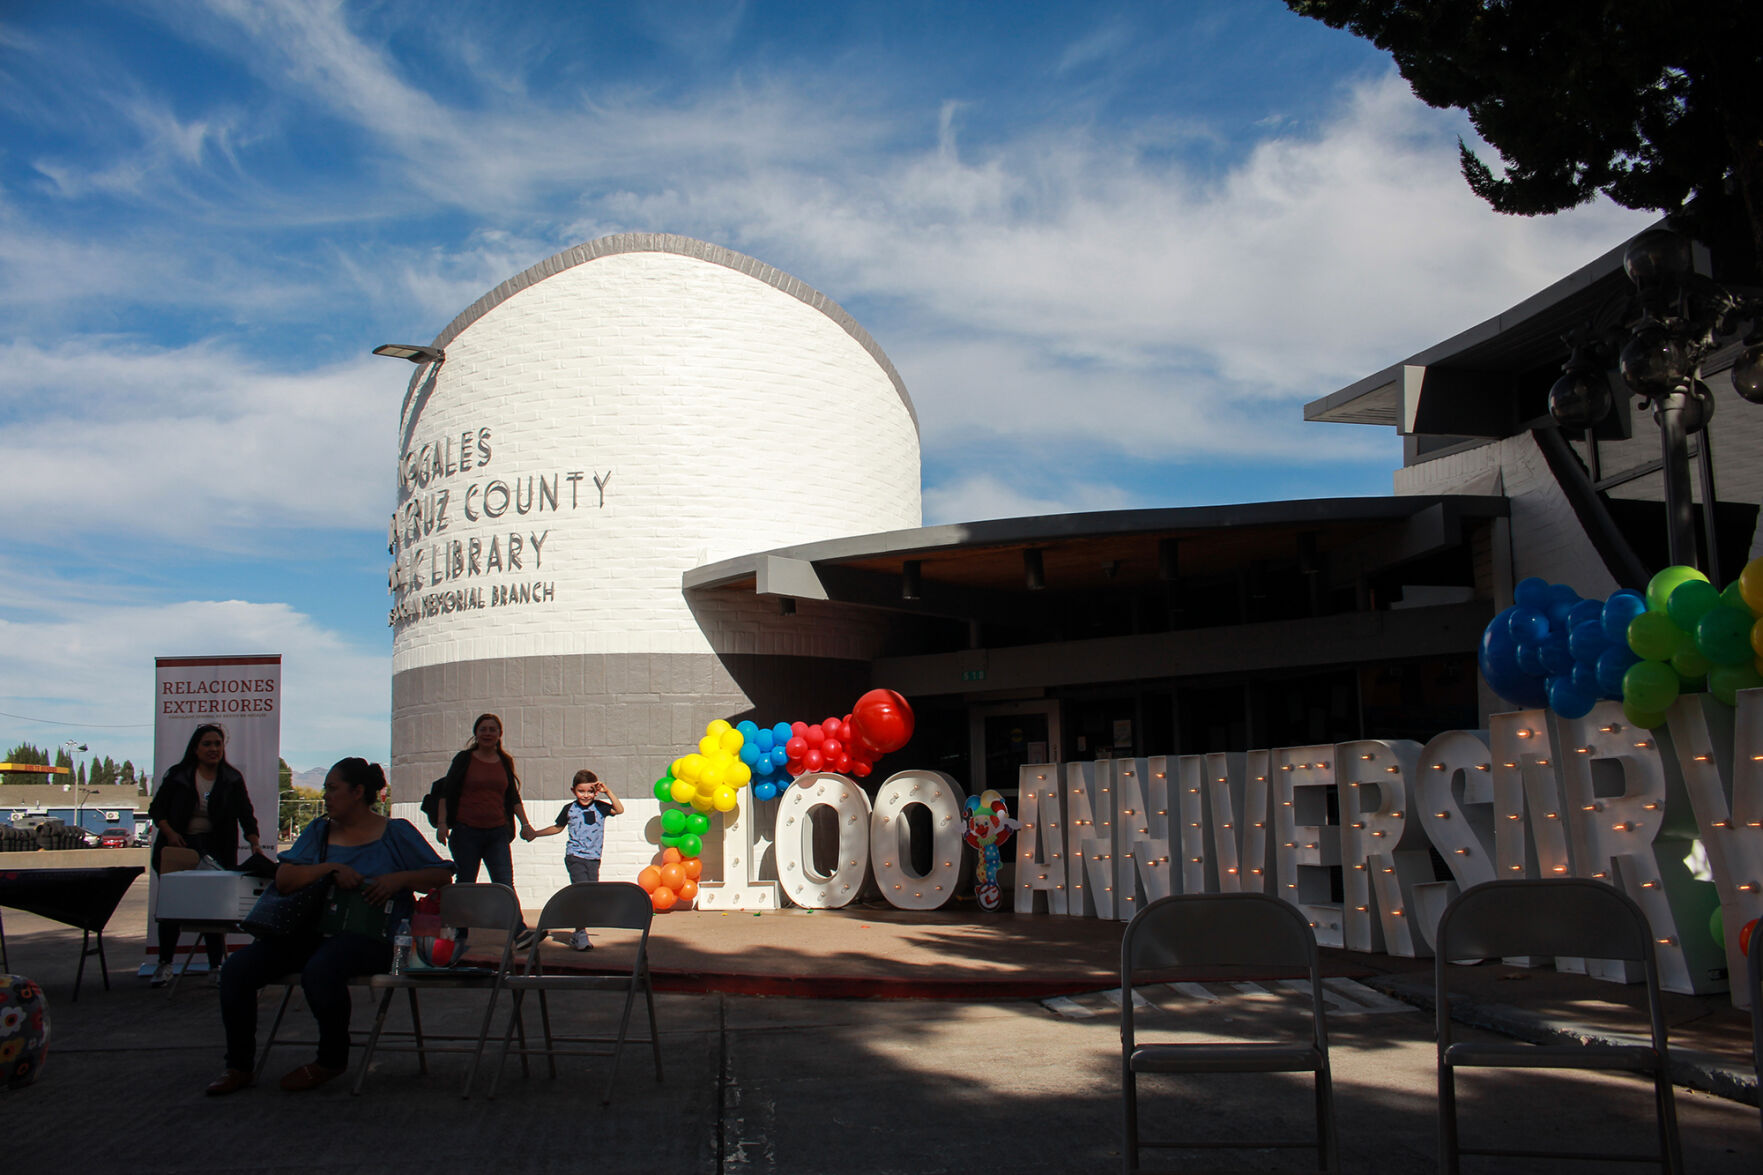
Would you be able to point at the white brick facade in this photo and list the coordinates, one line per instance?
(705, 384)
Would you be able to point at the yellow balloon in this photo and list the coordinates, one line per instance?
(1751, 585)
(732, 740)
(723, 799)
(738, 774)
(691, 768)
(701, 802)
(683, 792)
(718, 727)
(678, 767)
(712, 776)
(709, 745)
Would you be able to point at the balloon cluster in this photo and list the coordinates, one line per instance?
(1682, 635)
(729, 758)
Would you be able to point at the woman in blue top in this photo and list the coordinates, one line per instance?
(360, 850)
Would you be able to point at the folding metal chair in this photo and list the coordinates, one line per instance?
(1549, 917)
(474, 907)
(1253, 935)
(601, 904)
(1754, 969)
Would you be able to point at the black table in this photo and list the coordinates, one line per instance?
(85, 898)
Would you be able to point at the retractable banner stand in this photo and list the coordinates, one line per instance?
(243, 696)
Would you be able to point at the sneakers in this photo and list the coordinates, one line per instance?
(579, 941)
(526, 938)
(231, 1081)
(214, 977)
(161, 975)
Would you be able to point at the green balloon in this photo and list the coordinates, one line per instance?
(664, 789)
(1725, 681)
(1662, 585)
(1732, 597)
(1650, 686)
(1653, 637)
(1644, 719)
(689, 845)
(669, 841)
(698, 823)
(1690, 665)
(1724, 636)
(673, 822)
(1690, 602)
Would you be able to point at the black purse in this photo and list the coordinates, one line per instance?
(279, 914)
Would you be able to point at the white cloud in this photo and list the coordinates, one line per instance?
(984, 495)
(84, 658)
(201, 443)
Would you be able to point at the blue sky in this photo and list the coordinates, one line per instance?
(1112, 250)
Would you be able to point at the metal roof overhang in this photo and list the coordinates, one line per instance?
(975, 570)
(1473, 383)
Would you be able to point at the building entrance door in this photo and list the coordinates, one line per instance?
(1008, 735)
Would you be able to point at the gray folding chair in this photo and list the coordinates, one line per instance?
(1252, 935)
(1754, 968)
(474, 907)
(601, 904)
(1568, 917)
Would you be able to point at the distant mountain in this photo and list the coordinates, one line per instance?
(313, 779)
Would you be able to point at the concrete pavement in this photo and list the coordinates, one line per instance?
(965, 1083)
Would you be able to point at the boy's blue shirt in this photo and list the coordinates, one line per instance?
(586, 827)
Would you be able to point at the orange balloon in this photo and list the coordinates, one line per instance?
(694, 867)
(688, 890)
(663, 900)
(669, 856)
(673, 875)
(649, 878)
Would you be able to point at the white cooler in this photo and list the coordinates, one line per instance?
(208, 895)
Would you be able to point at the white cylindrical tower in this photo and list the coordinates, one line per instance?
(600, 424)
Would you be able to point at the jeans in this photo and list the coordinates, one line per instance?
(581, 869)
(471, 845)
(325, 966)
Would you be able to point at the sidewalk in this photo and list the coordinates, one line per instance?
(990, 1074)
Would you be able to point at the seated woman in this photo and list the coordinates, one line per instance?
(380, 860)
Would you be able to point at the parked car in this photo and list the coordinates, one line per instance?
(116, 838)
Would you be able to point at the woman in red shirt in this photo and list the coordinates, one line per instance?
(480, 802)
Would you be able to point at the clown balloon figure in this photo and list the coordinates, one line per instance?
(988, 826)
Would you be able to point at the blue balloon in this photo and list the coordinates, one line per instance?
(763, 765)
(780, 734)
(779, 756)
(1532, 592)
(1498, 658)
(1613, 665)
(763, 741)
(1568, 700)
(1557, 654)
(1585, 612)
(1587, 641)
(1561, 601)
(1619, 610)
(747, 727)
(1530, 660)
(1585, 678)
(750, 753)
(765, 791)
(1528, 624)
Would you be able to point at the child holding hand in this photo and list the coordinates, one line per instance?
(584, 819)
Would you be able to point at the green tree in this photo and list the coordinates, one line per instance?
(27, 753)
(1654, 104)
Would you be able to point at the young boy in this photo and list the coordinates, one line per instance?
(585, 821)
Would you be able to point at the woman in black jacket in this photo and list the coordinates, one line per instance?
(201, 804)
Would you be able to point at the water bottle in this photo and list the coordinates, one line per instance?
(401, 948)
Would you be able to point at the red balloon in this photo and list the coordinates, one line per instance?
(1745, 933)
(813, 760)
(830, 747)
(832, 727)
(798, 728)
(861, 769)
(842, 763)
(815, 734)
(796, 747)
(883, 720)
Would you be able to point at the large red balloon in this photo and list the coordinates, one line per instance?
(882, 720)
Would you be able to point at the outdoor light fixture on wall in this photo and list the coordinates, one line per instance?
(411, 351)
(1684, 318)
(911, 579)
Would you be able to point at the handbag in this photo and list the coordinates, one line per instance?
(282, 914)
